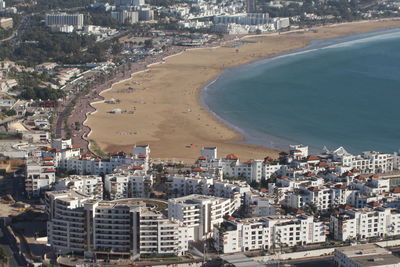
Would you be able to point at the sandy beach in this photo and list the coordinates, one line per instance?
(161, 106)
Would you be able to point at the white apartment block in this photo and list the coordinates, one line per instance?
(86, 184)
(365, 255)
(261, 204)
(40, 175)
(125, 16)
(128, 184)
(200, 213)
(180, 185)
(124, 228)
(54, 19)
(301, 198)
(238, 235)
(363, 223)
(92, 166)
(367, 162)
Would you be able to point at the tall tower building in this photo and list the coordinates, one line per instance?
(251, 6)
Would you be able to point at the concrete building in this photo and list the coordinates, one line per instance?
(237, 235)
(123, 228)
(6, 23)
(125, 16)
(200, 213)
(352, 223)
(86, 184)
(251, 6)
(128, 184)
(54, 19)
(40, 175)
(365, 255)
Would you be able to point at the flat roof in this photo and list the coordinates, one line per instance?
(240, 260)
(377, 260)
(363, 250)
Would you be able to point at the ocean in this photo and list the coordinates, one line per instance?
(335, 92)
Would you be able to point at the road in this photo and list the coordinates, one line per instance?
(326, 261)
(10, 247)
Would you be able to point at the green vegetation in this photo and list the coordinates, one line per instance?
(31, 86)
(3, 256)
(10, 136)
(94, 147)
(5, 33)
(39, 45)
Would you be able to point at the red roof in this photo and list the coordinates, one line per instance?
(311, 157)
(396, 190)
(75, 147)
(374, 204)
(250, 161)
(48, 164)
(263, 190)
(49, 170)
(345, 207)
(341, 186)
(137, 167)
(142, 156)
(360, 177)
(198, 170)
(232, 157)
(298, 211)
(202, 158)
(348, 173)
(374, 176)
(322, 164)
(313, 189)
(48, 158)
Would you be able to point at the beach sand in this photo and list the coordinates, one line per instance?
(161, 106)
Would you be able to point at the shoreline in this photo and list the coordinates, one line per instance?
(276, 141)
(164, 128)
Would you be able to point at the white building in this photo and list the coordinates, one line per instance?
(200, 213)
(125, 16)
(75, 20)
(123, 228)
(128, 183)
(86, 184)
(352, 223)
(237, 235)
(40, 175)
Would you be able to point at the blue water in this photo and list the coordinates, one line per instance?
(338, 92)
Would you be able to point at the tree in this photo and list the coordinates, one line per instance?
(148, 43)
(116, 48)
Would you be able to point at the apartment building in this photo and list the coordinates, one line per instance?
(180, 185)
(125, 16)
(86, 184)
(353, 223)
(261, 204)
(124, 228)
(128, 184)
(55, 19)
(200, 213)
(86, 165)
(40, 175)
(237, 235)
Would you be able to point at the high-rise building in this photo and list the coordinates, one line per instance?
(124, 16)
(251, 6)
(77, 223)
(75, 20)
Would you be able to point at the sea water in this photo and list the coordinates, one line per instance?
(336, 92)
